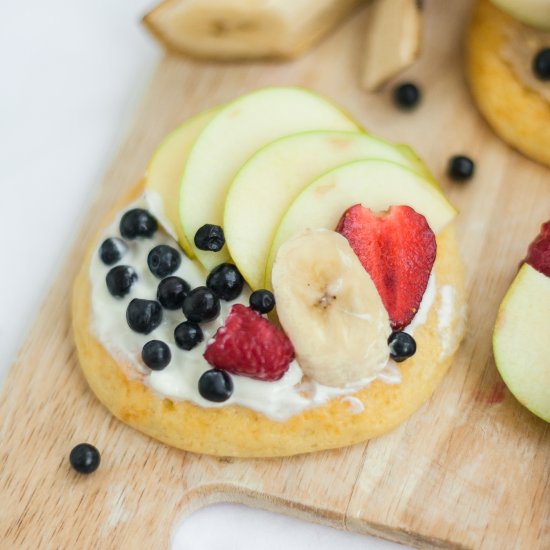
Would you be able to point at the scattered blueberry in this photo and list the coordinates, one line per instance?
(143, 316)
(156, 354)
(112, 250)
(262, 301)
(407, 96)
(163, 260)
(201, 305)
(216, 385)
(119, 280)
(188, 335)
(226, 281)
(541, 64)
(171, 292)
(210, 237)
(461, 168)
(402, 346)
(85, 458)
(137, 223)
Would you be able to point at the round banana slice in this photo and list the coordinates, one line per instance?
(329, 307)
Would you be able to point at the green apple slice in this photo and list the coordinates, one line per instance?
(164, 171)
(238, 130)
(520, 340)
(272, 178)
(532, 12)
(377, 184)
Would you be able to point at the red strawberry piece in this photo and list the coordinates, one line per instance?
(538, 255)
(248, 344)
(397, 248)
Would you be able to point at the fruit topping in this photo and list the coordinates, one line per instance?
(407, 96)
(541, 64)
(137, 223)
(112, 250)
(249, 345)
(402, 346)
(85, 458)
(262, 301)
(397, 248)
(156, 354)
(201, 305)
(226, 281)
(143, 316)
(330, 308)
(210, 237)
(120, 279)
(172, 291)
(163, 260)
(216, 385)
(538, 254)
(188, 335)
(461, 168)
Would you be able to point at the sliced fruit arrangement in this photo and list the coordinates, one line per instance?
(271, 179)
(376, 184)
(330, 309)
(237, 130)
(521, 330)
(282, 189)
(239, 29)
(397, 248)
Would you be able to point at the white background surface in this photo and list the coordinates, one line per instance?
(72, 74)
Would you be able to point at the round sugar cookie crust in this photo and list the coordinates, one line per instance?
(517, 114)
(241, 432)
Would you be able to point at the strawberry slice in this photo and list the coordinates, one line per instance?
(249, 345)
(397, 248)
(538, 255)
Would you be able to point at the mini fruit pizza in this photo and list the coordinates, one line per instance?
(280, 282)
(508, 58)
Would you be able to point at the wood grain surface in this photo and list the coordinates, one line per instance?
(471, 469)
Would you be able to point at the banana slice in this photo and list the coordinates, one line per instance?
(330, 309)
(243, 29)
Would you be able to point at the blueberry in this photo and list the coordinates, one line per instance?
(120, 279)
(541, 64)
(226, 281)
(201, 305)
(402, 346)
(188, 335)
(163, 260)
(461, 168)
(216, 385)
(112, 250)
(172, 291)
(262, 301)
(210, 237)
(407, 96)
(85, 458)
(143, 316)
(137, 223)
(156, 354)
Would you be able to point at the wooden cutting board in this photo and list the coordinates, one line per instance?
(471, 469)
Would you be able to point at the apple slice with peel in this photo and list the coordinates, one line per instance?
(520, 340)
(376, 184)
(236, 131)
(532, 12)
(272, 178)
(521, 330)
(164, 171)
